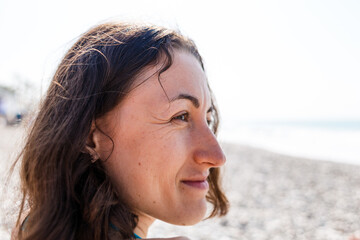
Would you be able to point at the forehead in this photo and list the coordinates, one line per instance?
(185, 76)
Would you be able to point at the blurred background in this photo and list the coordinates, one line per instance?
(286, 75)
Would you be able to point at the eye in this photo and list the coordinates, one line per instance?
(210, 121)
(181, 117)
(210, 117)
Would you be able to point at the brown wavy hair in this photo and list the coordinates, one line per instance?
(70, 197)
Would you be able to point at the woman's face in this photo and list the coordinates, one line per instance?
(163, 146)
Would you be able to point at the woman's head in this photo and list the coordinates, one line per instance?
(163, 147)
(136, 96)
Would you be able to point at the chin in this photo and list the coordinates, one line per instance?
(190, 216)
(193, 221)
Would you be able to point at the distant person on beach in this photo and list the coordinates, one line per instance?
(126, 134)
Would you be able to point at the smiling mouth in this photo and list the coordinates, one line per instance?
(202, 185)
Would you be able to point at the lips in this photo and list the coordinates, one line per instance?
(197, 181)
(198, 184)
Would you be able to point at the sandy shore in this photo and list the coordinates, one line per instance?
(272, 196)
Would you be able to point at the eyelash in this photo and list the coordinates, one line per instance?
(185, 118)
(182, 117)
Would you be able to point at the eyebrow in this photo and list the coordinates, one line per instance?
(192, 99)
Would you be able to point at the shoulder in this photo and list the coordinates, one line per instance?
(174, 238)
(15, 233)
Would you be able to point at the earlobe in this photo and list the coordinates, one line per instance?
(94, 155)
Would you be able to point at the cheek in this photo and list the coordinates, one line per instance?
(146, 168)
(145, 164)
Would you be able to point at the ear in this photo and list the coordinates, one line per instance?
(90, 139)
(98, 143)
(90, 146)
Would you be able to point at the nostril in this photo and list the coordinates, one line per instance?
(211, 155)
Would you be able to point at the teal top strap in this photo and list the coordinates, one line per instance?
(22, 227)
(115, 228)
(137, 236)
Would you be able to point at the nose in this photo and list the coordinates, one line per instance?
(208, 150)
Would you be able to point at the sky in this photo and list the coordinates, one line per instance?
(265, 60)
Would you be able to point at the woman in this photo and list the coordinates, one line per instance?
(124, 136)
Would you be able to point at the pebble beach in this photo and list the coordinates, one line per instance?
(272, 196)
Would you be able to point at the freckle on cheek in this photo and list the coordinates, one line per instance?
(154, 202)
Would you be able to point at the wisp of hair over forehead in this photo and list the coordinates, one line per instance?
(70, 197)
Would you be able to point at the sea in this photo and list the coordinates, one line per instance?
(337, 141)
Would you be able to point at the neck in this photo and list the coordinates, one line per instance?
(143, 225)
